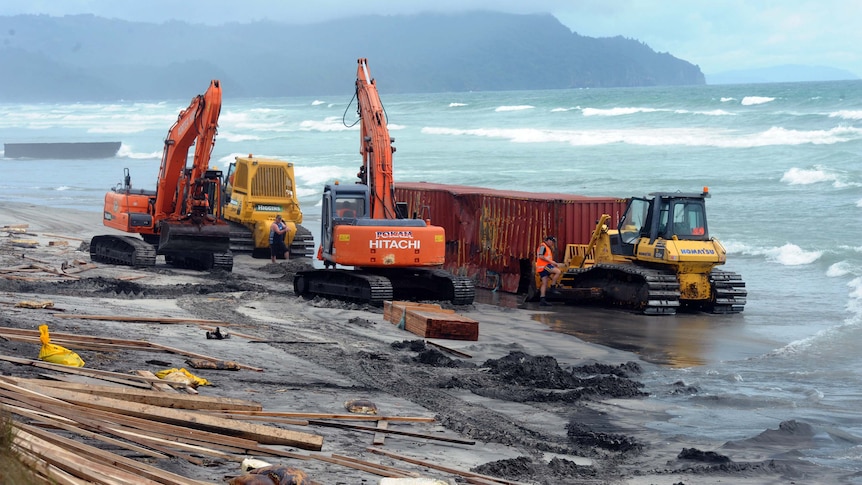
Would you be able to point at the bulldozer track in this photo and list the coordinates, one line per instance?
(242, 241)
(729, 290)
(650, 291)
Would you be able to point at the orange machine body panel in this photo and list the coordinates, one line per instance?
(383, 245)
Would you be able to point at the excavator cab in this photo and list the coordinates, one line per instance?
(661, 216)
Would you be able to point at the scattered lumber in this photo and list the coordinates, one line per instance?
(63, 237)
(373, 429)
(165, 320)
(455, 471)
(144, 396)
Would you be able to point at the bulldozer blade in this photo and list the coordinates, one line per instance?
(183, 238)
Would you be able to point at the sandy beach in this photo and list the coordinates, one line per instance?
(522, 403)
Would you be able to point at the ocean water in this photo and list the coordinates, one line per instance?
(783, 163)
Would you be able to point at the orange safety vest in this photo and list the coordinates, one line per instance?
(541, 263)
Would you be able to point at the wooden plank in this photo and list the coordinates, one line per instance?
(125, 379)
(442, 326)
(155, 398)
(263, 434)
(449, 350)
(143, 472)
(72, 462)
(380, 438)
(166, 320)
(455, 471)
(56, 422)
(390, 431)
(157, 386)
(347, 417)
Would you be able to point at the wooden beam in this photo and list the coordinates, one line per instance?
(346, 417)
(372, 429)
(263, 434)
(455, 471)
(155, 398)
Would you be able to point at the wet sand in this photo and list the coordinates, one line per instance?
(548, 397)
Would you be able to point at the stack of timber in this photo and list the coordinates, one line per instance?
(429, 320)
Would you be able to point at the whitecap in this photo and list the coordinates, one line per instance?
(616, 111)
(725, 99)
(847, 114)
(317, 102)
(792, 255)
(330, 123)
(234, 138)
(457, 105)
(754, 100)
(513, 108)
(841, 268)
(125, 151)
(801, 176)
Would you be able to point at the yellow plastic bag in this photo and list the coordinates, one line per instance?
(56, 354)
(182, 375)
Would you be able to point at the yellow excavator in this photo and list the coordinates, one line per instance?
(660, 259)
(257, 189)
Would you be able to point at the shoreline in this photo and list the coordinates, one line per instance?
(353, 357)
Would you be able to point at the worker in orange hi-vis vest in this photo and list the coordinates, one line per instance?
(547, 269)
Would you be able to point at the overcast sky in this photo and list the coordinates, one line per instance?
(717, 35)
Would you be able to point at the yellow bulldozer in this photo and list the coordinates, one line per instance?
(257, 189)
(659, 259)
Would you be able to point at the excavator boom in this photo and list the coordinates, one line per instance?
(375, 145)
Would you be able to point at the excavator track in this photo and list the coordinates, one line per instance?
(122, 250)
(375, 287)
(201, 261)
(342, 284)
(729, 293)
(650, 291)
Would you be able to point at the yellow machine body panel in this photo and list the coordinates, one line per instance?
(258, 189)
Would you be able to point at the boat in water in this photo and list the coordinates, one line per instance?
(73, 150)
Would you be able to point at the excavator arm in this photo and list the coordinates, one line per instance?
(375, 145)
(197, 124)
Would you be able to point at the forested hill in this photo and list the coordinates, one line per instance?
(87, 58)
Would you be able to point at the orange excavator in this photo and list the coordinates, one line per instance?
(181, 219)
(363, 227)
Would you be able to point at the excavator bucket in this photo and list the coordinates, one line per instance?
(191, 238)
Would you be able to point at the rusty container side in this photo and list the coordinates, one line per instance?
(492, 235)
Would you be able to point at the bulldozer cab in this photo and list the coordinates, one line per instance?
(661, 216)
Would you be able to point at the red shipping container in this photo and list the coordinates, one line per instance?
(492, 235)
